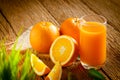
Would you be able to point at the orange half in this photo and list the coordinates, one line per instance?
(38, 66)
(64, 49)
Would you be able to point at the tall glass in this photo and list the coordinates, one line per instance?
(93, 41)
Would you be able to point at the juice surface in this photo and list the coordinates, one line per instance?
(93, 43)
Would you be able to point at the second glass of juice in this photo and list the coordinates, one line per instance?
(93, 41)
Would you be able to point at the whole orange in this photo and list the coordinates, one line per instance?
(71, 27)
(42, 35)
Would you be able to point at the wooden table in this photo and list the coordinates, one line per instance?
(15, 14)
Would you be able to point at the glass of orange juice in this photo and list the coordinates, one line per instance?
(93, 41)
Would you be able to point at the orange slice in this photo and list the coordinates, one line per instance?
(38, 66)
(55, 73)
(64, 49)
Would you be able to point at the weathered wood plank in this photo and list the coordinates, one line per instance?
(5, 30)
(108, 8)
(62, 9)
(24, 13)
(116, 2)
(112, 66)
(104, 74)
(71, 8)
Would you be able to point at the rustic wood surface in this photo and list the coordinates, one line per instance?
(17, 14)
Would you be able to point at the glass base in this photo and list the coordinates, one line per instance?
(86, 66)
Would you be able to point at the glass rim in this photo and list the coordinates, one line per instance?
(105, 20)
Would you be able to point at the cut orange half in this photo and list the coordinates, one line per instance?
(55, 73)
(64, 49)
(38, 66)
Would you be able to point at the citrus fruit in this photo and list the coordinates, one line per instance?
(64, 49)
(38, 66)
(55, 73)
(71, 27)
(42, 35)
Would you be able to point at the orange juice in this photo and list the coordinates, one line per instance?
(93, 43)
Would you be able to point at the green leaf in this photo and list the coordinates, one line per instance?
(6, 71)
(14, 59)
(95, 74)
(2, 51)
(9, 68)
(27, 73)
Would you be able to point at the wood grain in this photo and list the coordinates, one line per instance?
(116, 2)
(77, 8)
(108, 8)
(63, 9)
(25, 13)
(5, 30)
(113, 53)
